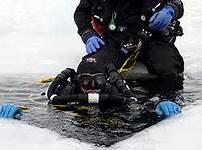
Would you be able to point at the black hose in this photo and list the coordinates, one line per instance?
(104, 99)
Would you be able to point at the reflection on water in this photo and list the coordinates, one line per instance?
(101, 126)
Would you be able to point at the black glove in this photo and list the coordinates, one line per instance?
(60, 78)
(116, 79)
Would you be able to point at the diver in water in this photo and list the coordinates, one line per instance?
(111, 31)
(103, 88)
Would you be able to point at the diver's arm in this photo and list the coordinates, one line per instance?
(59, 79)
(83, 16)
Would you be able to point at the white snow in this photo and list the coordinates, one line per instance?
(39, 36)
(19, 136)
(180, 132)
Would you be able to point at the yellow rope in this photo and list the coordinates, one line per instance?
(132, 58)
(24, 107)
(58, 106)
(125, 64)
(46, 80)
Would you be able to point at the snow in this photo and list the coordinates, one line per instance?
(19, 136)
(180, 132)
(40, 37)
(40, 34)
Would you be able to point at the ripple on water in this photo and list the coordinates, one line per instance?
(90, 125)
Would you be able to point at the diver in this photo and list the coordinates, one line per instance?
(111, 31)
(108, 88)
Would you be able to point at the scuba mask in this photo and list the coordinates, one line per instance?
(92, 82)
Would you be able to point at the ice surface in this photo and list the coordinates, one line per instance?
(180, 132)
(38, 36)
(19, 136)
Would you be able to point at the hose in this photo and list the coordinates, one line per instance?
(91, 98)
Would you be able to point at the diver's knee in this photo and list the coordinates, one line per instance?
(167, 73)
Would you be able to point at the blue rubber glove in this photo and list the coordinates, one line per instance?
(10, 111)
(93, 44)
(167, 108)
(162, 19)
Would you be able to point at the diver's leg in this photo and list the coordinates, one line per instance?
(164, 60)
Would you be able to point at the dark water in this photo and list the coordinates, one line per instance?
(101, 126)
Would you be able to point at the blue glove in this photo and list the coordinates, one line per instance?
(93, 44)
(167, 108)
(10, 111)
(162, 19)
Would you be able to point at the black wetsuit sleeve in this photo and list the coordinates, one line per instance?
(83, 16)
(177, 6)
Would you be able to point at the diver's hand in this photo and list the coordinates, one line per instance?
(167, 108)
(160, 20)
(10, 111)
(52, 88)
(92, 41)
(93, 44)
(60, 78)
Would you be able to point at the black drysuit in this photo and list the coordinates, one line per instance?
(159, 54)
